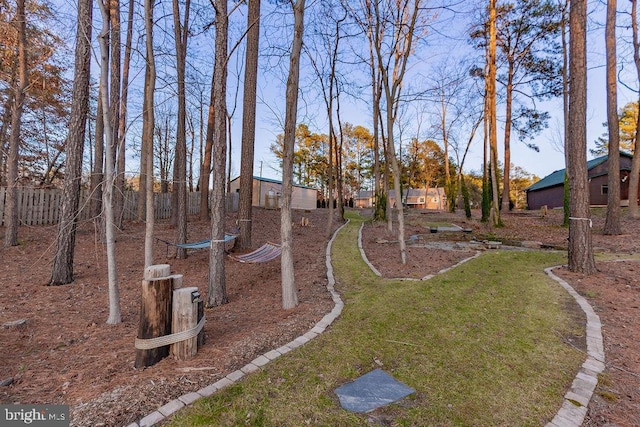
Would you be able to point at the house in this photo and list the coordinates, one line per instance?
(267, 193)
(364, 199)
(549, 190)
(431, 198)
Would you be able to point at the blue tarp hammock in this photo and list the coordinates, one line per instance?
(197, 245)
(265, 253)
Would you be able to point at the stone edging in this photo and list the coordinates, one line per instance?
(175, 405)
(576, 400)
(427, 277)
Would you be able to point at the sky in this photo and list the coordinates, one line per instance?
(450, 38)
(550, 156)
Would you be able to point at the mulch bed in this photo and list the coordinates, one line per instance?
(66, 354)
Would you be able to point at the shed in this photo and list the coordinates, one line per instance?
(549, 190)
(267, 193)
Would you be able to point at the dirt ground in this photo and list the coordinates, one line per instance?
(65, 353)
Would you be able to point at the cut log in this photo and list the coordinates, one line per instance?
(155, 318)
(185, 317)
(177, 281)
(157, 271)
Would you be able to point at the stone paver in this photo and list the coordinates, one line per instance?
(189, 398)
(586, 380)
(151, 419)
(170, 408)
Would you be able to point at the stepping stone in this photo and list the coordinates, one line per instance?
(371, 391)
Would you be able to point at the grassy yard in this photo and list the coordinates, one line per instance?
(481, 345)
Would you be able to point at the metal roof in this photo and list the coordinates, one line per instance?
(557, 177)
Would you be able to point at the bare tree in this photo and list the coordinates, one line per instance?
(97, 171)
(492, 118)
(115, 76)
(11, 205)
(398, 19)
(289, 293)
(62, 270)
(245, 203)
(107, 193)
(580, 252)
(612, 221)
(525, 38)
(323, 53)
(217, 286)
(147, 135)
(205, 167)
(180, 165)
(122, 118)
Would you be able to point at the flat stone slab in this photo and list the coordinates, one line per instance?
(371, 391)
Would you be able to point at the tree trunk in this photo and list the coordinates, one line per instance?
(494, 214)
(331, 171)
(97, 174)
(62, 270)
(148, 125)
(245, 202)
(612, 221)
(217, 285)
(634, 176)
(107, 193)
(122, 124)
(114, 60)
(11, 205)
(506, 197)
(289, 292)
(205, 169)
(4, 127)
(147, 138)
(180, 187)
(565, 113)
(580, 251)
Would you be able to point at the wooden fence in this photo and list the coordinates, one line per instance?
(37, 206)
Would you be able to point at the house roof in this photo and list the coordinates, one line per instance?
(557, 177)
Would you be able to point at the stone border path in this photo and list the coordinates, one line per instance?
(427, 277)
(571, 414)
(175, 405)
(576, 400)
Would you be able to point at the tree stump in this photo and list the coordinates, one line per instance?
(157, 271)
(155, 318)
(185, 317)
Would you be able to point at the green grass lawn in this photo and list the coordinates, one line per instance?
(482, 345)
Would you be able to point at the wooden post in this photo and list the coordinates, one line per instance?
(185, 317)
(155, 318)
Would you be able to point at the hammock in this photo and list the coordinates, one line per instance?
(265, 253)
(197, 245)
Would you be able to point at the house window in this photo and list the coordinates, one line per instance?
(604, 189)
(421, 200)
